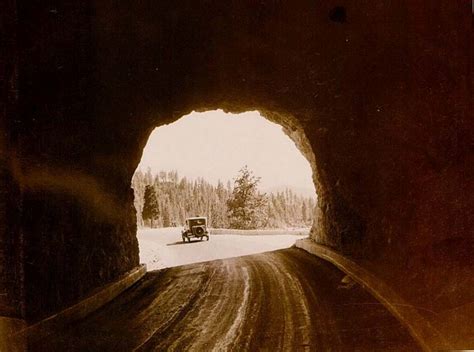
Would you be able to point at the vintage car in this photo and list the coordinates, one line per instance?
(195, 227)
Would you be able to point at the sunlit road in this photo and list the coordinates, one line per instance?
(163, 248)
(276, 301)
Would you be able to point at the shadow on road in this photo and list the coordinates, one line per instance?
(181, 242)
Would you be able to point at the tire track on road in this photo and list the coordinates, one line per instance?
(183, 284)
(285, 300)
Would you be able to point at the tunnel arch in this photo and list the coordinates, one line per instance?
(337, 224)
(291, 128)
(289, 131)
(325, 228)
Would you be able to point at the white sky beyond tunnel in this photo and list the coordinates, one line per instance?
(216, 145)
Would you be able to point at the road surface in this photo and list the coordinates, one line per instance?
(164, 248)
(286, 300)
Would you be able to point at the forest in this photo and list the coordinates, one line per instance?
(165, 200)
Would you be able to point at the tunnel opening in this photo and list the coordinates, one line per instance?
(250, 176)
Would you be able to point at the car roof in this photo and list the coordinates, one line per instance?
(197, 217)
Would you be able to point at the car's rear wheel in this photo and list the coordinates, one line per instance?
(207, 238)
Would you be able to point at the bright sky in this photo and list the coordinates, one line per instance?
(216, 145)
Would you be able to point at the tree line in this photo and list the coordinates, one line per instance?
(164, 199)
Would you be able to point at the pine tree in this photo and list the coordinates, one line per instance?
(246, 207)
(304, 212)
(150, 205)
(166, 215)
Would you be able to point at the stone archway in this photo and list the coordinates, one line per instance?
(291, 129)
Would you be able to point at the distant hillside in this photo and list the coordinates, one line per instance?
(305, 192)
(176, 198)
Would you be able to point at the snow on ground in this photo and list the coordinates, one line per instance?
(162, 248)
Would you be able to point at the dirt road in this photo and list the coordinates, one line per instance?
(163, 248)
(285, 300)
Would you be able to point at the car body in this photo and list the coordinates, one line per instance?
(195, 227)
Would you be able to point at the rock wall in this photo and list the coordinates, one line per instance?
(77, 214)
(376, 94)
(11, 241)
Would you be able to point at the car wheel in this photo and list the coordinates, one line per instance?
(184, 239)
(207, 238)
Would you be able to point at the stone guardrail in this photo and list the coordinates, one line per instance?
(422, 330)
(96, 300)
(296, 232)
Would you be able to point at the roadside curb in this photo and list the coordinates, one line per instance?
(96, 300)
(274, 232)
(421, 329)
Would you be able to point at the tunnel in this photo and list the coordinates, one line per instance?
(376, 95)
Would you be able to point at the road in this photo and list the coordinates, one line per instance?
(285, 300)
(163, 248)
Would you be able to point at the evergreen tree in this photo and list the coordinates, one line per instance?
(150, 206)
(166, 216)
(246, 206)
(304, 211)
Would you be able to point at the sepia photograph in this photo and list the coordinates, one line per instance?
(244, 175)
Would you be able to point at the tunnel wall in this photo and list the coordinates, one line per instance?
(381, 91)
(11, 243)
(79, 232)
